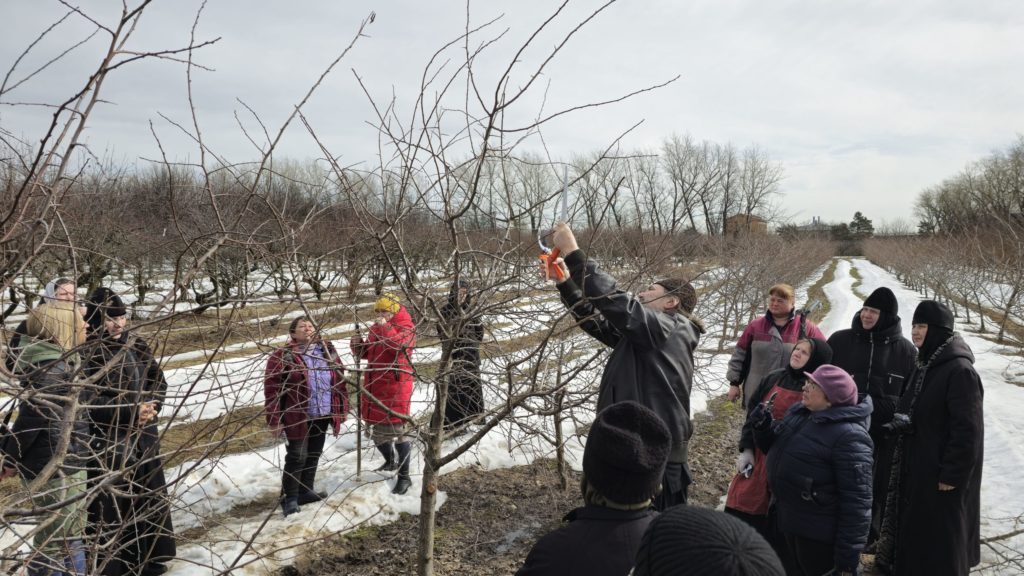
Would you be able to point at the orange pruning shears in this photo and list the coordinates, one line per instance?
(549, 256)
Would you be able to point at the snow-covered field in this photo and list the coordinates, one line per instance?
(210, 494)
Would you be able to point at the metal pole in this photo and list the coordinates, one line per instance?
(359, 419)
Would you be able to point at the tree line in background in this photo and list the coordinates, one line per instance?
(970, 250)
(322, 221)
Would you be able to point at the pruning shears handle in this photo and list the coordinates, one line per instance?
(550, 260)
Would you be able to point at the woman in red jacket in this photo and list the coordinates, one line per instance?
(304, 391)
(388, 384)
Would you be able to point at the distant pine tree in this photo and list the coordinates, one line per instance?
(861, 227)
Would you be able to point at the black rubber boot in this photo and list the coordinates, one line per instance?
(389, 457)
(289, 505)
(306, 493)
(309, 497)
(404, 482)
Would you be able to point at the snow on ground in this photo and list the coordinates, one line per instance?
(843, 304)
(209, 493)
(1002, 494)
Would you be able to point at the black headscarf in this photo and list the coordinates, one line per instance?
(821, 353)
(103, 303)
(939, 319)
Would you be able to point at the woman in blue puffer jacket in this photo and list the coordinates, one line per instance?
(819, 471)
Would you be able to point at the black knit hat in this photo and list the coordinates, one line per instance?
(934, 314)
(884, 300)
(103, 302)
(702, 542)
(626, 452)
(681, 289)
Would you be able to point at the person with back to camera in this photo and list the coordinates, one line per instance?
(623, 463)
(462, 332)
(819, 472)
(653, 335)
(697, 541)
(748, 497)
(766, 342)
(933, 509)
(305, 396)
(880, 359)
(388, 383)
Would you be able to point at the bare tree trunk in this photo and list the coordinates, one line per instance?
(428, 494)
(563, 476)
(1010, 302)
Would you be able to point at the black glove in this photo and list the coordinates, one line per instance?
(900, 424)
(761, 415)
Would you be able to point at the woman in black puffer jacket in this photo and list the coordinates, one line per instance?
(819, 471)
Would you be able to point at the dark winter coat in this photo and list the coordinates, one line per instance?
(11, 357)
(819, 471)
(286, 389)
(131, 516)
(938, 532)
(132, 378)
(36, 433)
(387, 351)
(652, 357)
(764, 347)
(463, 334)
(598, 541)
(880, 360)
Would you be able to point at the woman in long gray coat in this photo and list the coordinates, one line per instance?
(933, 507)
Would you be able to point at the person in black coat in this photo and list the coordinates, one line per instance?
(462, 332)
(819, 471)
(880, 359)
(130, 515)
(933, 510)
(653, 335)
(623, 463)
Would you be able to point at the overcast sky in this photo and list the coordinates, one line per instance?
(864, 103)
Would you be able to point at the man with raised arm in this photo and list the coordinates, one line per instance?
(653, 335)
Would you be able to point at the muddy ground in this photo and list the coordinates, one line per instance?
(492, 519)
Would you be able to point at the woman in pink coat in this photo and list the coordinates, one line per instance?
(388, 384)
